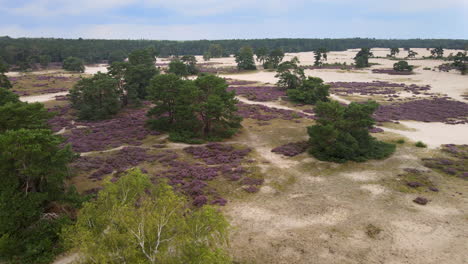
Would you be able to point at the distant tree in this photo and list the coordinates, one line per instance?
(150, 224)
(261, 54)
(273, 59)
(216, 50)
(411, 53)
(177, 67)
(320, 54)
(394, 52)
(4, 81)
(7, 96)
(290, 75)
(73, 64)
(117, 56)
(138, 73)
(362, 58)
(460, 62)
(437, 52)
(244, 59)
(44, 60)
(311, 91)
(206, 56)
(17, 115)
(342, 133)
(33, 167)
(402, 66)
(97, 97)
(191, 63)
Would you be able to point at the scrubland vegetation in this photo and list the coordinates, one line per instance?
(135, 165)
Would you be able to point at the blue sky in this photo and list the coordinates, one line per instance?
(228, 19)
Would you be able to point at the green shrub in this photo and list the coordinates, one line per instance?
(420, 144)
(400, 141)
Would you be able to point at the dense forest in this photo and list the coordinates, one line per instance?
(36, 50)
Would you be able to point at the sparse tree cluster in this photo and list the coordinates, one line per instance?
(290, 75)
(320, 55)
(402, 66)
(437, 53)
(193, 110)
(460, 62)
(73, 64)
(311, 91)
(245, 59)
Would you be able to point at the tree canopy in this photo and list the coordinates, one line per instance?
(17, 115)
(290, 75)
(136, 221)
(460, 62)
(190, 110)
(245, 59)
(361, 60)
(402, 66)
(320, 55)
(97, 97)
(311, 91)
(273, 59)
(342, 133)
(4, 81)
(73, 64)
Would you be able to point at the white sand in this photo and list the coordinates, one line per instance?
(41, 98)
(434, 134)
(95, 69)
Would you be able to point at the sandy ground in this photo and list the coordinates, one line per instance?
(41, 98)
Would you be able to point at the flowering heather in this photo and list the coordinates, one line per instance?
(456, 165)
(258, 93)
(127, 127)
(425, 110)
(376, 87)
(291, 149)
(392, 72)
(216, 153)
(121, 161)
(265, 113)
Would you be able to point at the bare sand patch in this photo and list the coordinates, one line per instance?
(361, 175)
(374, 189)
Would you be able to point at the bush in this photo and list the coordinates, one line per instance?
(402, 66)
(420, 144)
(311, 91)
(342, 133)
(400, 141)
(73, 64)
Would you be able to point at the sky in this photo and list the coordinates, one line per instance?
(234, 19)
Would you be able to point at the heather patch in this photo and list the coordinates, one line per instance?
(392, 72)
(258, 93)
(265, 113)
(291, 149)
(426, 110)
(455, 164)
(376, 88)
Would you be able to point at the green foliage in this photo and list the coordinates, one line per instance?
(97, 97)
(4, 81)
(319, 55)
(200, 109)
(402, 66)
(394, 52)
(7, 96)
(290, 75)
(33, 167)
(14, 116)
(437, 53)
(191, 64)
(244, 59)
(362, 58)
(400, 141)
(420, 144)
(341, 133)
(44, 60)
(273, 59)
(460, 62)
(177, 67)
(117, 56)
(412, 54)
(261, 54)
(136, 221)
(311, 91)
(206, 56)
(216, 50)
(73, 64)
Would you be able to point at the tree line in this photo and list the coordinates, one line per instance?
(43, 50)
